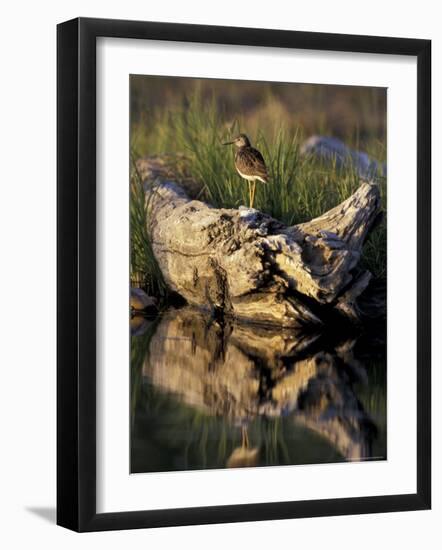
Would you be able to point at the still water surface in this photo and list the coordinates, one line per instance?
(210, 394)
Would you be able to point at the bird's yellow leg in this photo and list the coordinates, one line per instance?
(250, 193)
(253, 192)
(245, 437)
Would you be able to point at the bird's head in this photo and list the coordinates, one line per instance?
(241, 141)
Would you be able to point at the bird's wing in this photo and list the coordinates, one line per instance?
(250, 162)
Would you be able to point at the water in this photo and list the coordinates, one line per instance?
(211, 394)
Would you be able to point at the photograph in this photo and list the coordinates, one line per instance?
(258, 270)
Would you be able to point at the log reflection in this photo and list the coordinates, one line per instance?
(240, 372)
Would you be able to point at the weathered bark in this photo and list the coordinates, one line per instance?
(255, 268)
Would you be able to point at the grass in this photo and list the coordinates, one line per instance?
(144, 270)
(300, 187)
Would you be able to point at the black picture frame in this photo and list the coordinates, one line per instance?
(76, 273)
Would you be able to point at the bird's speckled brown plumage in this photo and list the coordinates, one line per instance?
(250, 163)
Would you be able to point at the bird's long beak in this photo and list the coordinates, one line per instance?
(228, 143)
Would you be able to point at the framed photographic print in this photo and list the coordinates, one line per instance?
(243, 274)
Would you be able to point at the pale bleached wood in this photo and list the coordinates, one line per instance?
(253, 267)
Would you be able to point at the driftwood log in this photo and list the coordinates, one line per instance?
(253, 267)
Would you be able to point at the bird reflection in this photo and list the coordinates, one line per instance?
(244, 456)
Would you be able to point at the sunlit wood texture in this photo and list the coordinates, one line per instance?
(254, 267)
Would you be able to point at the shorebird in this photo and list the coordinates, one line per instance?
(249, 164)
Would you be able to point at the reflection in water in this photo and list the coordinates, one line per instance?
(209, 394)
(243, 456)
